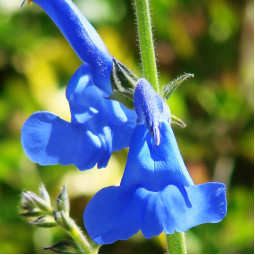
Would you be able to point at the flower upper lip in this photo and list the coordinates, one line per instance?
(82, 37)
(150, 108)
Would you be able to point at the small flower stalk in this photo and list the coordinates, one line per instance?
(33, 208)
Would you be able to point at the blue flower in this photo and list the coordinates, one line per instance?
(98, 125)
(156, 192)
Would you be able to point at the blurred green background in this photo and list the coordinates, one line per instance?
(211, 39)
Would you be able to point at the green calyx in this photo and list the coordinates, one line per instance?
(123, 83)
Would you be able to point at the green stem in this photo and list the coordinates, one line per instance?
(176, 243)
(75, 232)
(80, 240)
(146, 43)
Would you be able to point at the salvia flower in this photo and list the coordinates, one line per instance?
(98, 125)
(156, 192)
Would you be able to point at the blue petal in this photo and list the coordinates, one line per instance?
(82, 37)
(89, 106)
(83, 95)
(209, 205)
(156, 194)
(168, 211)
(92, 135)
(154, 167)
(115, 213)
(49, 140)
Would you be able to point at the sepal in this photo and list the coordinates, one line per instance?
(122, 78)
(123, 83)
(64, 247)
(26, 202)
(124, 97)
(45, 221)
(34, 212)
(44, 194)
(63, 203)
(168, 89)
(177, 121)
(40, 202)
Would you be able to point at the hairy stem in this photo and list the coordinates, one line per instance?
(176, 243)
(75, 232)
(146, 43)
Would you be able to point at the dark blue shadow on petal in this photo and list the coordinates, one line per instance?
(89, 107)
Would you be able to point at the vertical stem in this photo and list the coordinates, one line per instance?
(176, 243)
(146, 43)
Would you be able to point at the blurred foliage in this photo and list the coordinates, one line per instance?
(211, 39)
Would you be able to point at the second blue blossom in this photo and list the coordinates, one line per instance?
(98, 125)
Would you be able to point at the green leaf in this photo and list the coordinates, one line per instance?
(63, 203)
(45, 221)
(168, 89)
(64, 247)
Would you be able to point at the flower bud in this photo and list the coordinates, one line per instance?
(63, 203)
(39, 202)
(64, 247)
(123, 83)
(45, 221)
